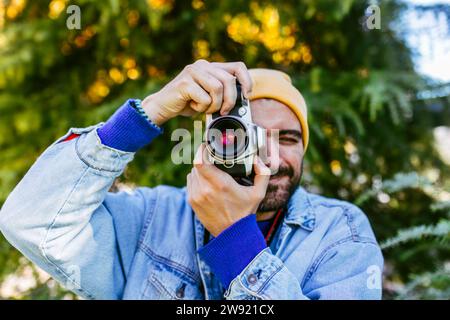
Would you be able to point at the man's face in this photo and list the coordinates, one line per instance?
(284, 154)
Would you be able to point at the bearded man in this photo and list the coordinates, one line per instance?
(213, 239)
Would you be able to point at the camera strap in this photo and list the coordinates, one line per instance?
(275, 223)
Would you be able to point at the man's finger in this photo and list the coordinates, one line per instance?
(239, 70)
(200, 99)
(203, 163)
(206, 168)
(212, 85)
(189, 111)
(229, 89)
(201, 156)
(189, 184)
(262, 176)
(194, 180)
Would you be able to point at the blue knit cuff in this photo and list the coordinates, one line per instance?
(233, 249)
(127, 129)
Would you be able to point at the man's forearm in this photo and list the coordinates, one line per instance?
(51, 214)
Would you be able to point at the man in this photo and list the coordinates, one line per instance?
(213, 239)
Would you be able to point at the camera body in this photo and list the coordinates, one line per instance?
(233, 140)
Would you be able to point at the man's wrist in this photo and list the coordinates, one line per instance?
(152, 110)
(233, 249)
(127, 129)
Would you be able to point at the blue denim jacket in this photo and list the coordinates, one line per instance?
(143, 244)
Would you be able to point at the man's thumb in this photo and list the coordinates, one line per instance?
(262, 175)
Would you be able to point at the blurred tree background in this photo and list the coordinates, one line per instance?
(373, 118)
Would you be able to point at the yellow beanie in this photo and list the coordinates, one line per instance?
(274, 84)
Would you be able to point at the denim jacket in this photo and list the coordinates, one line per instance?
(143, 244)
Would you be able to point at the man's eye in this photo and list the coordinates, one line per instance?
(289, 140)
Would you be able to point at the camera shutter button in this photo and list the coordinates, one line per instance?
(242, 111)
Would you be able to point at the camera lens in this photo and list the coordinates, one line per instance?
(227, 137)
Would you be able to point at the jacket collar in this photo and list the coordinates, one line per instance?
(300, 211)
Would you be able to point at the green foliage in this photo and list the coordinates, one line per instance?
(371, 127)
(442, 229)
(409, 244)
(431, 285)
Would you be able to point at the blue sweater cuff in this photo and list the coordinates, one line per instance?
(127, 129)
(233, 249)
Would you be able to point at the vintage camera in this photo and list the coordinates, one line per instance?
(233, 140)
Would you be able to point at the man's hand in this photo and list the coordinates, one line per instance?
(217, 199)
(200, 87)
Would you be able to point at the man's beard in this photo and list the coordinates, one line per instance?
(279, 192)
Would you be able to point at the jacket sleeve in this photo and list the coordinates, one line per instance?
(61, 216)
(345, 270)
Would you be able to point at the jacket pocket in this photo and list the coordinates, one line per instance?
(166, 283)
